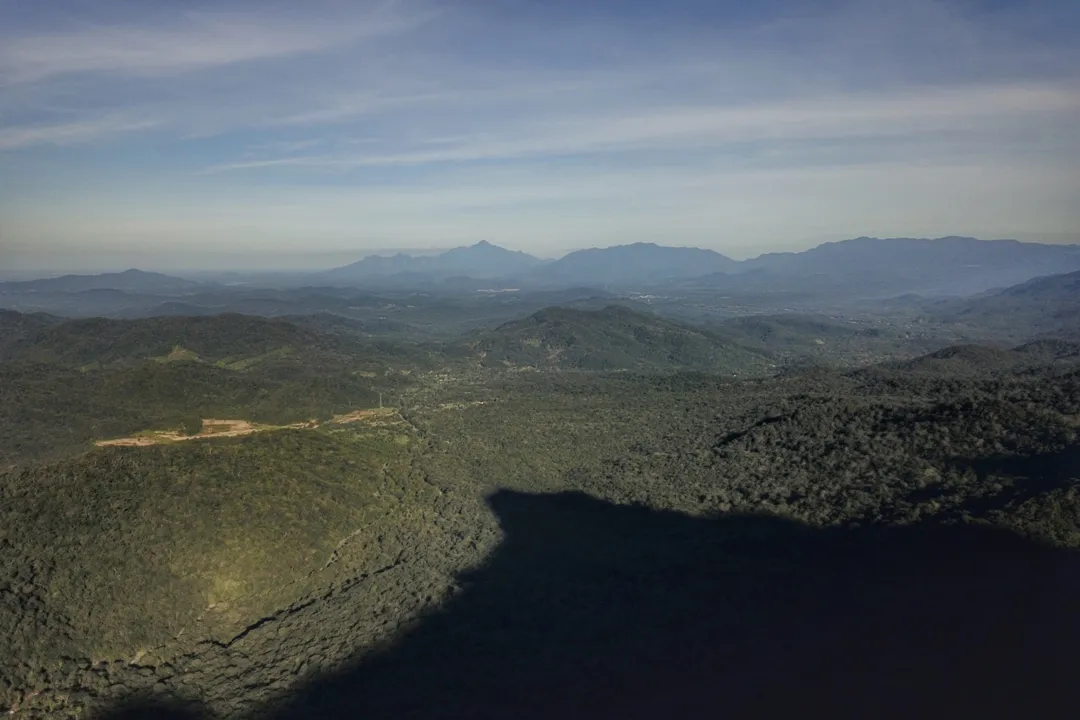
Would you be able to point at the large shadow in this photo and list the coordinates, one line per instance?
(591, 610)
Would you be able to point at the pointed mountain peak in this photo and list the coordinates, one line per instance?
(479, 260)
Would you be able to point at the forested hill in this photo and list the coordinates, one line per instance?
(971, 360)
(19, 331)
(613, 338)
(40, 338)
(1048, 306)
(522, 545)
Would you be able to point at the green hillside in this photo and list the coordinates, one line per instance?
(50, 411)
(19, 331)
(613, 338)
(462, 543)
(1045, 306)
(517, 535)
(1041, 356)
(800, 338)
(126, 550)
(102, 341)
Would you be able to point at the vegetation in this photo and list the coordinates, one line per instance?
(68, 384)
(106, 342)
(49, 411)
(510, 526)
(614, 338)
(191, 425)
(125, 551)
(1043, 307)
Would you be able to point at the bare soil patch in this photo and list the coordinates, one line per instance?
(360, 415)
(219, 428)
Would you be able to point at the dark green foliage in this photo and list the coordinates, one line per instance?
(233, 341)
(1050, 350)
(798, 339)
(236, 569)
(614, 338)
(823, 447)
(331, 324)
(717, 514)
(49, 410)
(191, 425)
(127, 549)
(103, 342)
(88, 380)
(974, 361)
(18, 331)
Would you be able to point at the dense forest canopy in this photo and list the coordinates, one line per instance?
(394, 509)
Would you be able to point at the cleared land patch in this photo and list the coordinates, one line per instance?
(178, 354)
(219, 428)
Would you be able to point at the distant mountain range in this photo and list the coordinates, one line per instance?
(482, 260)
(948, 265)
(863, 268)
(869, 266)
(639, 263)
(138, 281)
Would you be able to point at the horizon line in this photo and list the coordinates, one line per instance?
(46, 274)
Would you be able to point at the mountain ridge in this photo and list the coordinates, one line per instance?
(1048, 305)
(612, 338)
(106, 341)
(483, 259)
(861, 267)
(942, 266)
(633, 263)
(131, 279)
(951, 265)
(1008, 261)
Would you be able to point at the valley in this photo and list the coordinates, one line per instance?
(539, 360)
(555, 504)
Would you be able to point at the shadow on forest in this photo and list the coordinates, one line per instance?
(592, 610)
(1026, 477)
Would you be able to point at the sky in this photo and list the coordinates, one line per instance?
(243, 134)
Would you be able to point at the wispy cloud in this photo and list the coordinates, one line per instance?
(353, 108)
(529, 120)
(68, 133)
(286, 146)
(156, 68)
(910, 111)
(191, 41)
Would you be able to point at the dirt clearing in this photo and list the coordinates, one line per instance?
(218, 428)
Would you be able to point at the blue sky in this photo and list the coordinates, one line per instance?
(270, 135)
